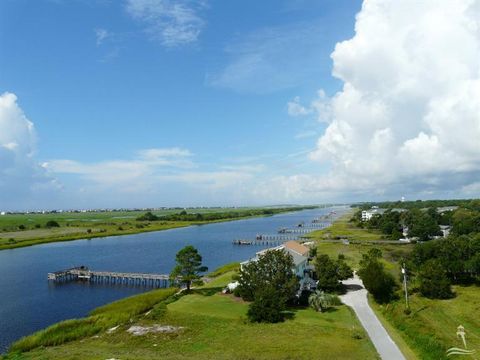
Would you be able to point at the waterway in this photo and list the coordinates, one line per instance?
(28, 302)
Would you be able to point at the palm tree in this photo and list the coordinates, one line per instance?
(320, 300)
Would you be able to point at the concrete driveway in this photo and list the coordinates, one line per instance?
(356, 298)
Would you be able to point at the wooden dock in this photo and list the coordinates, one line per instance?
(258, 242)
(275, 237)
(83, 273)
(295, 231)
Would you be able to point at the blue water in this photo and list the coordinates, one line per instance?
(29, 303)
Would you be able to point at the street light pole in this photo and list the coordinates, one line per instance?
(404, 272)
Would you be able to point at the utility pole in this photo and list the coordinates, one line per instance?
(404, 272)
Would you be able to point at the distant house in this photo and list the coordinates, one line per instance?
(375, 210)
(445, 229)
(368, 214)
(443, 209)
(2, 213)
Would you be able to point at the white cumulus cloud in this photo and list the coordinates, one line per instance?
(20, 174)
(408, 115)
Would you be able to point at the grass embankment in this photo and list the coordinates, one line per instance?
(215, 327)
(431, 327)
(20, 230)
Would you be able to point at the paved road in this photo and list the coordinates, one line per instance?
(356, 297)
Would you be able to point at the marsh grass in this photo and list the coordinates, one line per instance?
(101, 319)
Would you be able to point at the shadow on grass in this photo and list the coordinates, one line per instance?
(206, 291)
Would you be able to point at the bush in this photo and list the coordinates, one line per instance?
(52, 224)
(267, 306)
(434, 283)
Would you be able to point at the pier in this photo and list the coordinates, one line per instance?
(276, 237)
(83, 273)
(295, 231)
(258, 242)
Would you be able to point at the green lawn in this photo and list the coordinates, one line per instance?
(215, 327)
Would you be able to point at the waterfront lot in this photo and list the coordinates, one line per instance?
(215, 327)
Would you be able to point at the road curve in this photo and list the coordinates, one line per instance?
(356, 298)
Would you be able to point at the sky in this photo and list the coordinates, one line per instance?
(149, 103)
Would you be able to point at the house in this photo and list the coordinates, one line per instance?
(445, 229)
(299, 255)
(367, 214)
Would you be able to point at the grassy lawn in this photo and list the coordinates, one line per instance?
(215, 327)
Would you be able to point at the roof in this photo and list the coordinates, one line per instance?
(297, 258)
(297, 247)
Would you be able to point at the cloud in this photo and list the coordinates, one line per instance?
(20, 174)
(271, 59)
(297, 109)
(101, 35)
(408, 116)
(155, 177)
(138, 173)
(321, 107)
(172, 22)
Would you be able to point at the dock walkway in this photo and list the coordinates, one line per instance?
(108, 277)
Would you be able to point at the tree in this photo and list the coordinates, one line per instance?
(434, 283)
(377, 281)
(321, 301)
(331, 272)
(422, 225)
(465, 222)
(189, 266)
(274, 269)
(267, 306)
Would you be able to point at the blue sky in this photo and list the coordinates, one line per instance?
(184, 102)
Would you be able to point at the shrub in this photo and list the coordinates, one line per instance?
(52, 224)
(267, 306)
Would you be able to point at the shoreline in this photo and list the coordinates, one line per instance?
(161, 226)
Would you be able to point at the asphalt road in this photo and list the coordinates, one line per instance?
(356, 298)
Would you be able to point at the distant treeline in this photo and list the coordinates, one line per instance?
(421, 204)
(185, 216)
